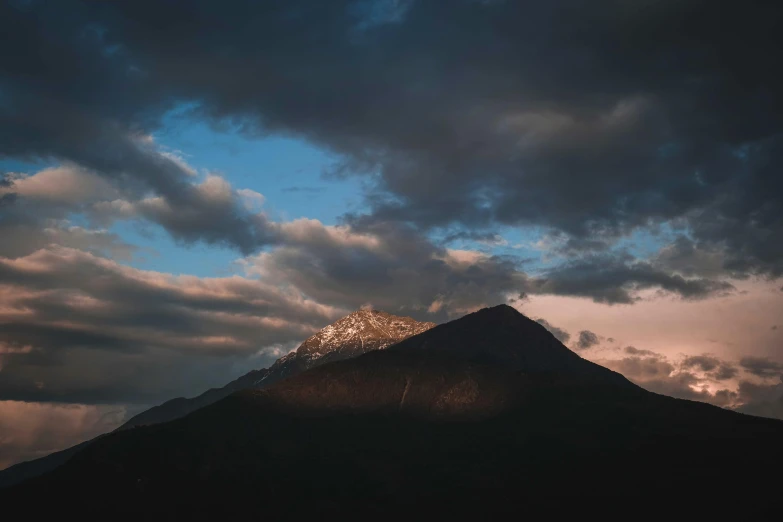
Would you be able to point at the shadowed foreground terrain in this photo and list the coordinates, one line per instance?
(483, 415)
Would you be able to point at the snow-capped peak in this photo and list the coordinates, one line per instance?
(360, 332)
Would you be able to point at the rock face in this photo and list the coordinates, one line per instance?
(360, 332)
(355, 334)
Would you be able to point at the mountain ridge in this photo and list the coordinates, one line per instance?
(359, 332)
(433, 423)
(513, 340)
(373, 329)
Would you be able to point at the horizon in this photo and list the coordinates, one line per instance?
(187, 193)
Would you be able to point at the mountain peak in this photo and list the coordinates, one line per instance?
(502, 335)
(501, 310)
(367, 311)
(357, 333)
(361, 331)
(501, 306)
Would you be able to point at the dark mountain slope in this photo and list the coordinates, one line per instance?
(501, 335)
(427, 433)
(34, 468)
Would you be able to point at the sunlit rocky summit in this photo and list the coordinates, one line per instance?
(360, 332)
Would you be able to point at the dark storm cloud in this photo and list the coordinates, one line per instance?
(712, 366)
(761, 366)
(67, 94)
(560, 334)
(587, 339)
(685, 257)
(489, 238)
(644, 353)
(589, 119)
(392, 267)
(615, 279)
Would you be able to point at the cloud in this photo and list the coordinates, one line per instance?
(394, 266)
(644, 353)
(645, 369)
(25, 237)
(761, 366)
(39, 205)
(685, 257)
(692, 378)
(587, 339)
(62, 185)
(544, 153)
(765, 400)
(614, 280)
(712, 366)
(102, 133)
(560, 334)
(32, 430)
(90, 326)
(591, 136)
(656, 373)
(212, 212)
(486, 238)
(252, 200)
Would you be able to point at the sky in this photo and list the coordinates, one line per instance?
(190, 189)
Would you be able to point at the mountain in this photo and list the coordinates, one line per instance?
(502, 336)
(360, 332)
(355, 334)
(477, 418)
